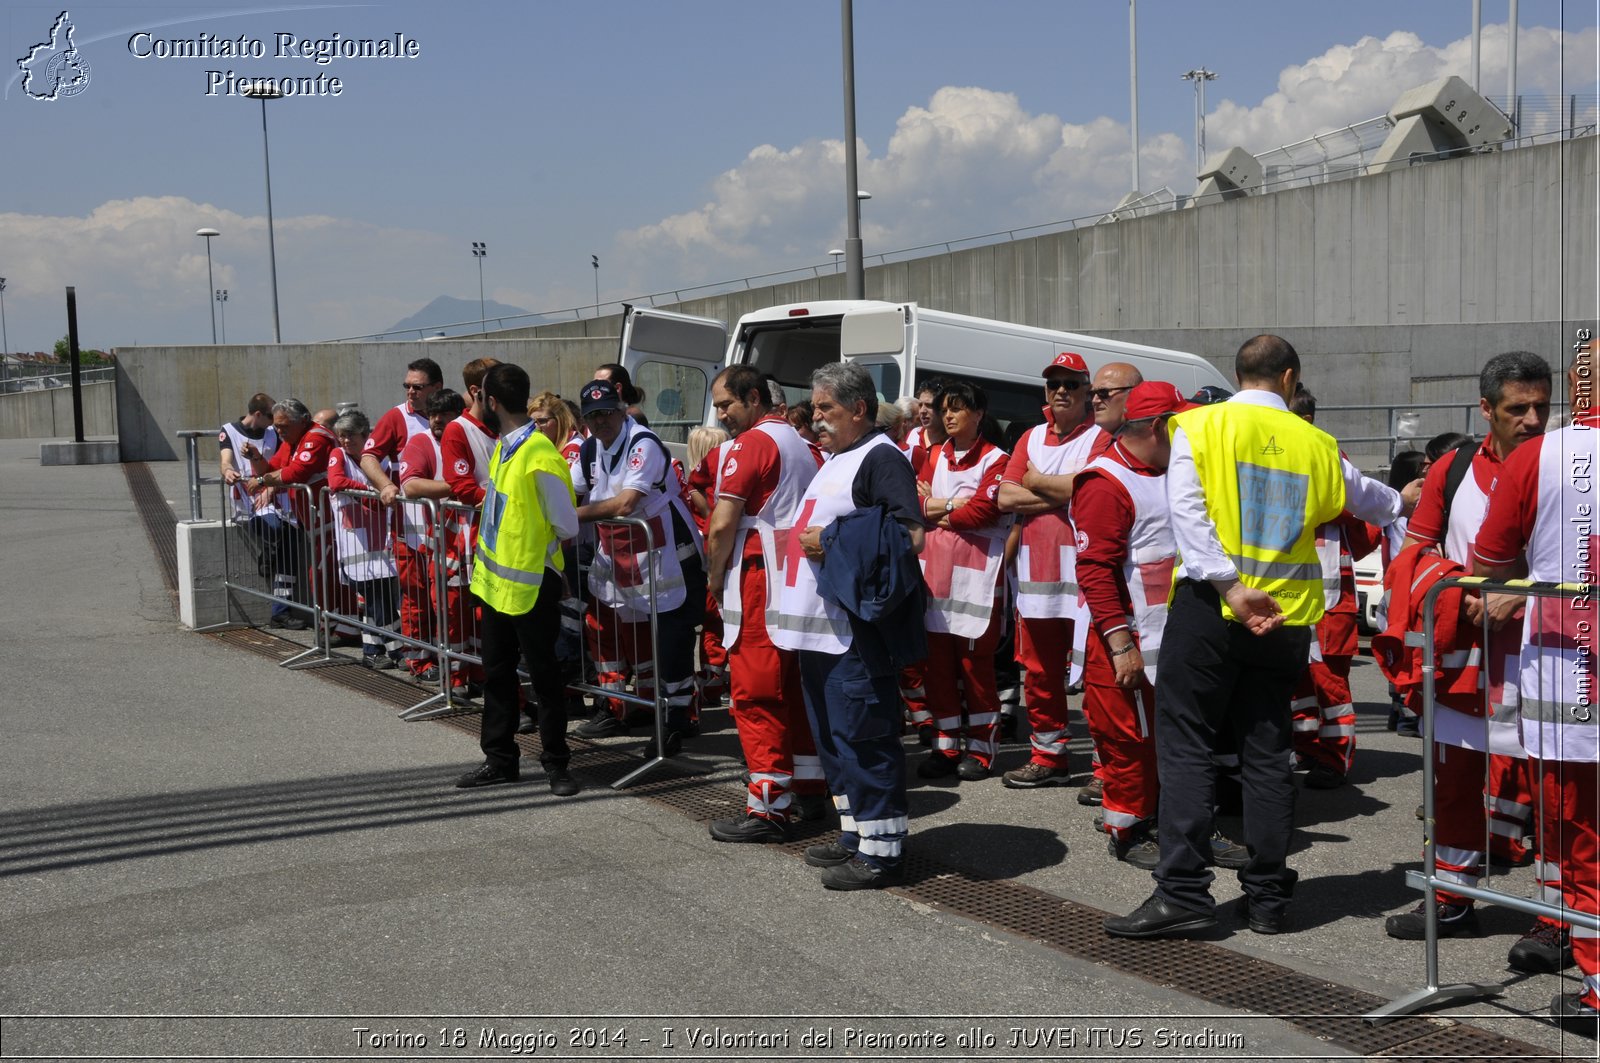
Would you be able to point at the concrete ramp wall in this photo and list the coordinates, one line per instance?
(47, 413)
(164, 390)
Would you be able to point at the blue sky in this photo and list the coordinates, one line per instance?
(684, 142)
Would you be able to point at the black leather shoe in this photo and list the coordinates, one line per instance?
(1545, 949)
(971, 769)
(674, 745)
(1136, 848)
(526, 725)
(1261, 922)
(1571, 1013)
(857, 874)
(289, 622)
(809, 808)
(937, 766)
(487, 774)
(749, 828)
(562, 784)
(828, 854)
(1322, 777)
(1156, 918)
(1225, 852)
(429, 674)
(603, 724)
(1455, 920)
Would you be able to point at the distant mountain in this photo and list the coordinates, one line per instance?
(447, 311)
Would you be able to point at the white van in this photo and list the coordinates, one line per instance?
(673, 358)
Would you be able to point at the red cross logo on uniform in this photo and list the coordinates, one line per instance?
(792, 554)
(946, 552)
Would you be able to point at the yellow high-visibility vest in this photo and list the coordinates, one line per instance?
(516, 542)
(1269, 479)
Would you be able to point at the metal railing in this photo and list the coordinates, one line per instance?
(1410, 424)
(1429, 880)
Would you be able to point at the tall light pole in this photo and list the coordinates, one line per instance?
(1511, 67)
(222, 297)
(265, 90)
(5, 343)
(1200, 76)
(210, 280)
(1133, 85)
(595, 260)
(837, 253)
(855, 280)
(480, 251)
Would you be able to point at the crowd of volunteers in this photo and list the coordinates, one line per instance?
(844, 570)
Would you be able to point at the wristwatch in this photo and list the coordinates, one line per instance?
(949, 505)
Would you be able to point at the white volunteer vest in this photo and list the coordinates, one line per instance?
(1451, 726)
(962, 568)
(805, 620)
(618, 576)
(413, 518)
(360, 532)
(244, 506)
(1152, 554)
(1047, 560)
(1558, 715)
(796, 469)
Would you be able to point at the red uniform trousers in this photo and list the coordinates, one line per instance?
(914, 692)
(962, 670)
(1324, 714)
(1569, 834)
(769, 709)
(463, 620)
(419, 617)
(618, 649)
(1465, 808)
(1122, 724)
(1044, 649)
(712, 678)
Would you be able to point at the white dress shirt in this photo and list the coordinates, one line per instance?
(1201, 556)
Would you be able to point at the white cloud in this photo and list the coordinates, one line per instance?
(140, 274)
(972, 160)
(1351, 83)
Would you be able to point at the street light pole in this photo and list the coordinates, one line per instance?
(595, 259)
(480, 251)
(1200, 76)
(1133, 85)
(222, 297)
(5, 343)
(210, 280)
(855, 281)
(265, 90)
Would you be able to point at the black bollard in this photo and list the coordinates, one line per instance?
(72, 354)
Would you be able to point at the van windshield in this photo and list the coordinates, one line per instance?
(793, 350)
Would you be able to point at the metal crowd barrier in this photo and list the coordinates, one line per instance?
(191, 451)
(656, 703)
(1428, 879)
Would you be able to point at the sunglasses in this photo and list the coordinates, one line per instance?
(414, 387)
(1064, 383)
(1104, 394)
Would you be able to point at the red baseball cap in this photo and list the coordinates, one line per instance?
(1156, 398)
(1068, 360)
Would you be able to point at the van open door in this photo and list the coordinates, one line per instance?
(882, 339)
(672, 359)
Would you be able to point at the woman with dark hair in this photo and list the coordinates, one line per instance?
(962, 564)
(631, 395)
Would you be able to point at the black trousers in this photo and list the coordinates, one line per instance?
(530, 637)
(1215, 678)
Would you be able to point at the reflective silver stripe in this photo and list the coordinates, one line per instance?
(959, 607)
(879, 847)
(506, 572)
(1507, 808)
(1458, 857)
(1277, 570)
(1037, 587)
(1568, 713)
(814, 625)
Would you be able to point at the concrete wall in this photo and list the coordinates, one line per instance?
(47, 414)
(163, 390)
(1385, 283)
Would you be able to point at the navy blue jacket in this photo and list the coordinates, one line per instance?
(869, 569)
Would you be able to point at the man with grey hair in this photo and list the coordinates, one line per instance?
(848, 667)
(301, 458)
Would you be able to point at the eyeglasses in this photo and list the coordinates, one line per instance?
(542, 421)
(1104, 394)
(414, 387)
(1063, 383)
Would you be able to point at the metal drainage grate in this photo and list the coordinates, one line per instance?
(1210, 973)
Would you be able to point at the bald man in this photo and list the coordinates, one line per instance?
(1109, 393)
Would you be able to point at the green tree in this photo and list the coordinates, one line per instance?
(85, 357)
